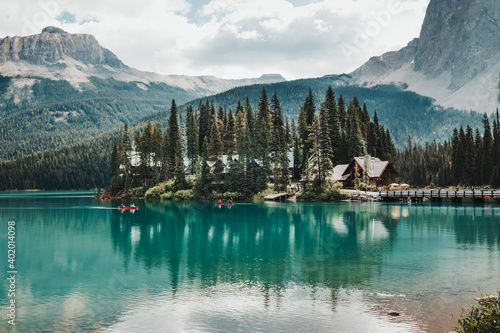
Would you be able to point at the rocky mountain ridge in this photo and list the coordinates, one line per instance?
(456, 59)
(57, 54)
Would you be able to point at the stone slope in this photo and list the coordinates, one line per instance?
(456, 59)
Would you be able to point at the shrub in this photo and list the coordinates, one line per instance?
(136, 192)
(183, 195)
(153, 193)
(370, 188)
(481, 318)
(167, 196)
(330, 191)
(230, 195)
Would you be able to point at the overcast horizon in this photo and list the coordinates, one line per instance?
(230, 39)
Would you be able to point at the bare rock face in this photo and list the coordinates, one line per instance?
(54, 44)
(459, 36)
(379, 67)
(456, 59)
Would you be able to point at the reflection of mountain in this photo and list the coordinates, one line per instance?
(257, 243)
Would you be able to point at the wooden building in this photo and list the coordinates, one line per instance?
(378, 173)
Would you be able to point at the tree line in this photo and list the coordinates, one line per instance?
(256, 145)
(469, 158)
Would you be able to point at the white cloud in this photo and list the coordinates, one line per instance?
(230, 38)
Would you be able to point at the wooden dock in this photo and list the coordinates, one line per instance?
(439, 195)
(278, 197)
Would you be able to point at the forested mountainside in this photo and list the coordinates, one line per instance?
(52, 114)
(404, 113)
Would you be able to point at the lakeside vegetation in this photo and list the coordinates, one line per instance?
(235, 155)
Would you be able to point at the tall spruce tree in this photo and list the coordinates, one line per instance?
(204, 126)
(126, 150)
(278, 147)
(115, 160)
(262, 130)
(191, 136)
(230, 134)
(487, 151)
(215, 145)
(330, 105)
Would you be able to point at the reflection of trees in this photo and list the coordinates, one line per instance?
(264, 244)
(470, 224)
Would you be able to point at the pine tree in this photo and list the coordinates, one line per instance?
(288, 133)
(470, 160)
(342, 112)
(310, 111)
(333, 124)
(204, 126)
(277, 146)
(320, 163)
(229, 134)
(303, 136)
(262, 130)
(215, 145)
(126, 150)
(241, 127)
(325, 146)
(496, 144)
(175, 159)
(487, 152)
(191, 135)
(250, 130)
(115, 160)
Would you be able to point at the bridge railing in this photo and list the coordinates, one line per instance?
(477, 194)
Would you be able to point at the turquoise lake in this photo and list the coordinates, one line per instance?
(84, 266)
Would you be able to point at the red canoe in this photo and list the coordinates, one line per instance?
(128, 208)
(224, 203)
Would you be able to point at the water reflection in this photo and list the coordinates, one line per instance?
(335, 245)
(87, 266)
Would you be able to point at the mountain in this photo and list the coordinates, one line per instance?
(405, 113)
(456, 59)
(58, 88)
(56, 54)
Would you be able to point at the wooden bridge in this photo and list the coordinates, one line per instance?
(439, 195)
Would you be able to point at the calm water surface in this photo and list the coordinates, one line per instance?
(256, 267)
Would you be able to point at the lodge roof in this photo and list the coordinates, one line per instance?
(373, 165)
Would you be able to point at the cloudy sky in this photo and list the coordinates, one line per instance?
(229, 38)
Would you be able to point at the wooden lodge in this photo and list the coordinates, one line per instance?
(380, 173)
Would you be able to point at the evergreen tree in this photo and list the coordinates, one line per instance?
(342, 112)
(478, 178)
(250, 130)
(262, 130)
(333, 124)
(288, 133)
(277, 146)
(126, 150)
(487, 152)
(310, 111)
(229, 134)
(174, 135)
(204, 126)
(241, 126)
(191, 135)
(470, 158)
(496, 157)
(115, 160)
(320, 164)
(215, 145)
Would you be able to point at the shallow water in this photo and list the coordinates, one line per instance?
(255, 267)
